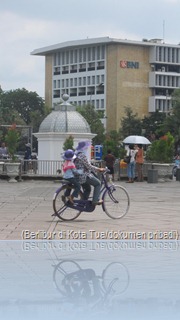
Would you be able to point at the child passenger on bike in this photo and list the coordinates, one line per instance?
(71, 173)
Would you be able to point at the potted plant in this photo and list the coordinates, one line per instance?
(12, 140)
(160, 154)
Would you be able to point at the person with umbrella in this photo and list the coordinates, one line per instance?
(131, 152)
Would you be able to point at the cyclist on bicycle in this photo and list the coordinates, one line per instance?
(88, 178)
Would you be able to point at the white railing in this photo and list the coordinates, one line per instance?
(52, 168)
(38, 167)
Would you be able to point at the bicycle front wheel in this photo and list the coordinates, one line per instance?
(115, 278)
(116, 202)
(61, 271)
(60, 204)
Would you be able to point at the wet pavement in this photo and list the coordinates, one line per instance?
(26, 213)
(127, 268)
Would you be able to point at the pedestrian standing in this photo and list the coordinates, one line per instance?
(131, 165)
(110, 160)
(27, 156)
(3, 151)
(139, 162)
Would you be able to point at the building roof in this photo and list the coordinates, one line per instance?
(64, 120)
(91, 41)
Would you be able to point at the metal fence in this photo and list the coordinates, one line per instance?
(53, 168)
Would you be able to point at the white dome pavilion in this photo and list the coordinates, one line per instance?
(62, 122)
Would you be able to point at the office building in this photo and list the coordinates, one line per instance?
(112, 74)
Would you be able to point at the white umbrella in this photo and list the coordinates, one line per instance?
(136, 140)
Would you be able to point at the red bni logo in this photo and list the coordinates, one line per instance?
(123, 64)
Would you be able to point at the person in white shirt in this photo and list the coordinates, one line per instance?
(131, 165)
(3, 151)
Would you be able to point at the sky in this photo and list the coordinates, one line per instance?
(26, 25)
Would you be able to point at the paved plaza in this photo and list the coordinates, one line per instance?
(38, 276)
(26, 213)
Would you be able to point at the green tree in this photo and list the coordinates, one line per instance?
(153, 123)
(68, 143)
(12, 140)
(93, 118)
(23, 108)
(172, 121)
(161, 150)
(24, 102)
(112, 142)
(130, 124)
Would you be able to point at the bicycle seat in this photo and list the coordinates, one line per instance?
(63, 181)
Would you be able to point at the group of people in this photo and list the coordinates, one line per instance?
(136, 154)
(80, 172)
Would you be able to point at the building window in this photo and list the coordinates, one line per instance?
(160, 54)
(63, 58)
(67, 57)
(89, 54)
(102, 103)
(84, 54)
(173, 55)
(103, 52)
(59, 60)
(169, 58)
(80, 55)
(71, 56)
(98, 53)
(93, 53)
(75, 56)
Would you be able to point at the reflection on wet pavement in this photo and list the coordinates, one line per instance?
(90, 280)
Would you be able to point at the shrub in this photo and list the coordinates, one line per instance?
(12, 141)
(161, 150)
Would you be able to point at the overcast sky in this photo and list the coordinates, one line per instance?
(26, 25)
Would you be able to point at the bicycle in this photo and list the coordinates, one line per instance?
(78, 285)
(116, 201)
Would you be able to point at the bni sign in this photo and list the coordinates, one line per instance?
(129, 64)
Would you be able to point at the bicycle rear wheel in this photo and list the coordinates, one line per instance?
(116, 202)
(60, 204)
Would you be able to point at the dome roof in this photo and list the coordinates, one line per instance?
(65, 119)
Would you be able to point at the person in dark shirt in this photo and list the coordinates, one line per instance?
(110, 159)
(27, 156)
(88, 179)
